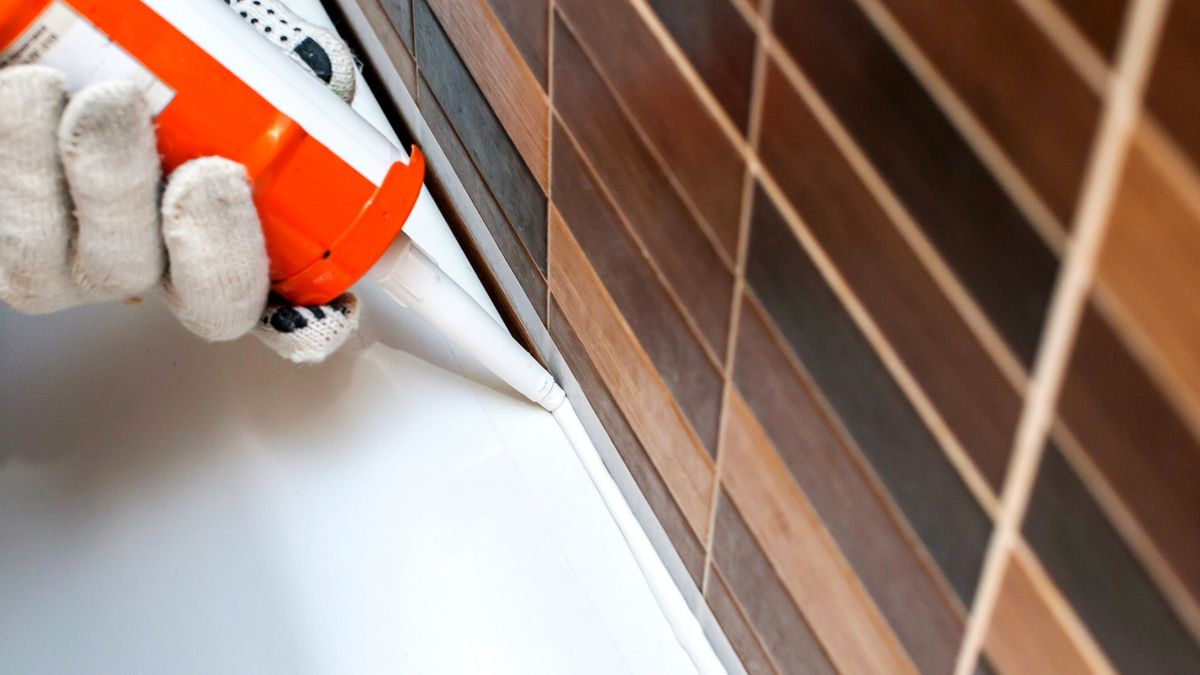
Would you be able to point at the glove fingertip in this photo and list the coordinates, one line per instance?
(309, 334)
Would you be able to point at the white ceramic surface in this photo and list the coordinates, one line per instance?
(168, 505)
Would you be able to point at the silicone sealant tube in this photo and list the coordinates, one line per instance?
(414, 280)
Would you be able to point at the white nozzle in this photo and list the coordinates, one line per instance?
(410, 276)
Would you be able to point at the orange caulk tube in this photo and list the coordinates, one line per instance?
(332, 193)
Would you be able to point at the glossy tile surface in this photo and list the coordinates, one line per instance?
(672, 117)
(963, 211)
(481, 133)
(631, 376)
(1082, 552)
(659, 325)
(865, 399)
(720, 46)
(847, 501)
(785, 633)
(691, 551)
(1017, 83)
(885, 273)
(641, 191)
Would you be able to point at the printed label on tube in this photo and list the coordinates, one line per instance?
(62, 39)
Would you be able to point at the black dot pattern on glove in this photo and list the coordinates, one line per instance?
(287, 320)
(315, 57)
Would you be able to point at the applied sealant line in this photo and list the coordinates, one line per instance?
(670, 600)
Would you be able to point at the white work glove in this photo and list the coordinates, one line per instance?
(82, 219)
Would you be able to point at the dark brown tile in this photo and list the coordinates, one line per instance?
(626, 441)
(515, 253)
(527, 23)
(506, 82)
(675, 120)
(737, 628)
(1100, 21)
(804, 555)
(1173, 96)
(389, 26)
(866, 400)
(848, 501)
(642, 192)
(928, 333)
(962, 209)
(1100, 577)
(1145, 451)
(1017, 83)
(399, 12)
(752, 581)
(720, 45)
(482, 135)
(627, 370)
(656, 321)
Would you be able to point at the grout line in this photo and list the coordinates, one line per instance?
(603, 189)
(488, 189)
(1146, 354)
(1087, 60)
(959, 297)
(1118, 122)
(1183, 177)
(1061, 610)
(1010, 178)
(737, 605)
(1129, 528)
(684, 195)
(928, 413)
(849, 447)
(757, 88)
(685, 67)
(640, 355)
(933, 262)
(550, 5)
(594, 175)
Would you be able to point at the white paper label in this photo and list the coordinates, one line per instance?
(62, 39)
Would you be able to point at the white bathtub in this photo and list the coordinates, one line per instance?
(171, 506)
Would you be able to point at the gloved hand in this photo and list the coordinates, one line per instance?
(82, 219)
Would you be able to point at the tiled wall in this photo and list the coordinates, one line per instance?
(823, 269)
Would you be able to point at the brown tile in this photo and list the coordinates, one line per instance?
(867, 402)
(662, 102)
(690, 374)
(910, 308)
(1025, 637)
(1109, 590)
(1137, 441)
(483, 137)
(509, 86)
(847, 500)
(1172, 95)
(1017, 83)
(737, 627)
(399, 13)
(720, 45)
(1151, 257)
(780, 625)
(393, 27)
(837, 608)
(642, 192)
(1100, 21)
(506, 237)
(527, 23)
(630, 376)
(960, 206)
(628, 446)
